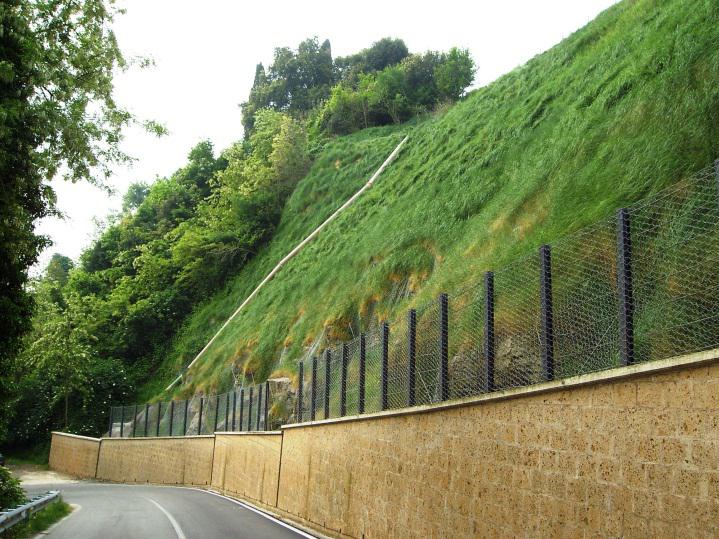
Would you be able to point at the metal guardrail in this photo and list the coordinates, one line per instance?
(11, 517)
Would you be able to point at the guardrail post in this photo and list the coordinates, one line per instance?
(547, 331)
(300, 388)
(444, 346)
(249, 411)
(242, 408)
(109, 435)
(122, 421)
(199, 420)
(343, 380)
(259, 406)
(625, 288)
(411, 345)
(313, 389)
(172, 415)
(234, 407)
(134, 422)
(385, 364)
(147, 416)
(362, 372)
(184, 420)
(267, 404)
(328, 361)
(488, 331)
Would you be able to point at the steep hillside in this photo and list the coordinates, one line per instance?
(621, 108)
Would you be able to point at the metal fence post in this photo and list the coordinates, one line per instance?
(147, 415)
(624, 284)
(227, 411)
(488, 331)
(199, 420)
(122, 421)
(300, 387)
(267, 404)
(259, 406)
(547, 332)
(249, 411)
(443, 346)
(411, 344)
(109, 435)
(385, 364)
(328, 360)
(134, 422)
(362, 372)
(184, 420)
(217, 412)
(159, 417)
(172, 415)
(313, 389)
(343, 380)
(234, 407)
(242, 408)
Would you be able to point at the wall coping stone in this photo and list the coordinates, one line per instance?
(138, 438)
(67, 434)
(245, 433)
(609, 375)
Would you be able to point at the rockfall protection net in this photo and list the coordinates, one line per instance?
(639, 285)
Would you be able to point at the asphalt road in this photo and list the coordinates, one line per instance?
(111, 511)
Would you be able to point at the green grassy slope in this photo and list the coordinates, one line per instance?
(621, 108)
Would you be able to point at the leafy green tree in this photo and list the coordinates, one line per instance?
(133, 197)
(454, 74)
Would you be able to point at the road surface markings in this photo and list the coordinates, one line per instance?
(172, 520)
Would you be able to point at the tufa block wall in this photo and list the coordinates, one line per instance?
(632, 457)
(164, 461)
(74, 455)
(247, 465)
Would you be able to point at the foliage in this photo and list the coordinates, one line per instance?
(11, 493)
(57, 114)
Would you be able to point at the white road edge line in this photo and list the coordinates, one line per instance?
(299, 532)
(172, 520)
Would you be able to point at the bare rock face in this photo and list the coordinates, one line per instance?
(517, 361)
(283, 401)
(465, 372)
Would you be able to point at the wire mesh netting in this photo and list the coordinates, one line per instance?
(639, 285)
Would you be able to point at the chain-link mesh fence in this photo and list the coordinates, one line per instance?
(639, 285)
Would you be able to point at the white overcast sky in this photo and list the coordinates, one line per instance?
(206, 52)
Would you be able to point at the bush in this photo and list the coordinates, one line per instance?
(11, 493)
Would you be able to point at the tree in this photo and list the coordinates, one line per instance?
(454, 74)
(57, 61)
(136, 193)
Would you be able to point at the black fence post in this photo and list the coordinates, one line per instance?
(488, 331)
(259, 407)
(411, 345)
(217, 412)
(147, 415)
(328, 360)
(444, 346)
(134, 422)
(122, 421)
(109, 430)
(624, 284)
(227, 411)
(343, 380)
(159, 417)
(234, 407)
(545, 292)
(267, 404)
(172, 415)
(249, 411)
(385, 364)
(242, 408)
(199, 420)
(362, 372)
(313, 389)
(184, 419)
(300, 388)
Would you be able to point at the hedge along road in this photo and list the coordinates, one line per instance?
(110, 511)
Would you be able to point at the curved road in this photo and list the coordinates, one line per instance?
(110, 511)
